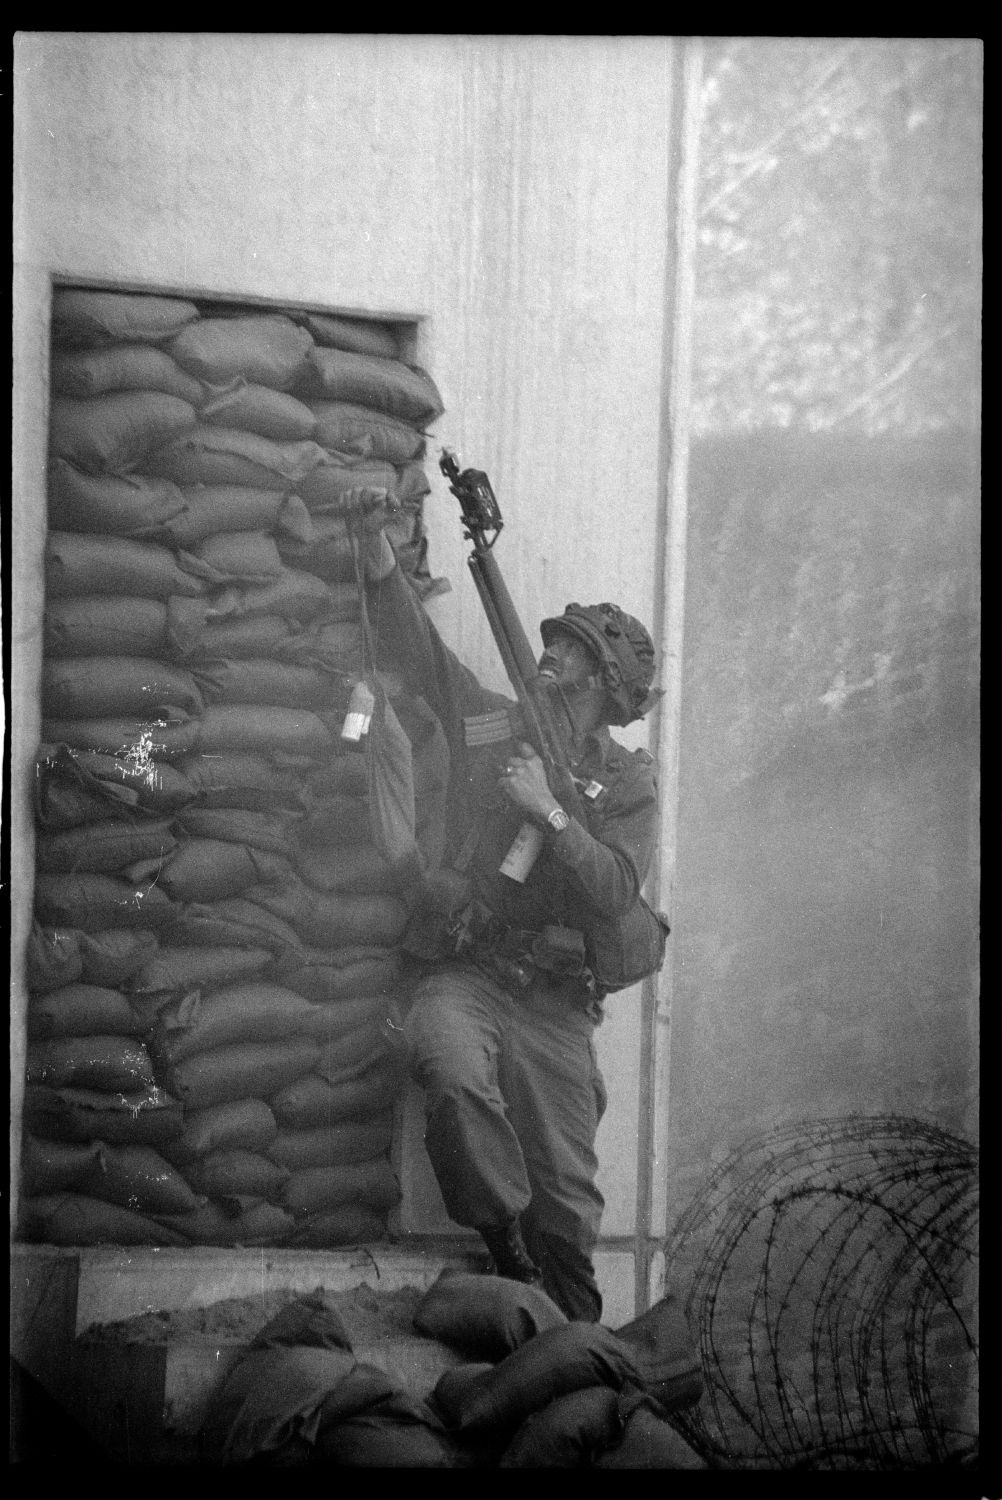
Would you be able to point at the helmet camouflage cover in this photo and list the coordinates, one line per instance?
(624, 650)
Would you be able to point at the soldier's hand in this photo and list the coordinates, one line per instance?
(371, 506)
(524, 782)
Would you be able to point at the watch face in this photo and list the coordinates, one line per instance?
(558, 820)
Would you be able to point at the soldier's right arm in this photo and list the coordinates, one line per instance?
(405, 636)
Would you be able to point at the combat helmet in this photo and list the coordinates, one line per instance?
(624, 649)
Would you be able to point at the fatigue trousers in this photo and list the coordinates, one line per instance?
(513, 1098)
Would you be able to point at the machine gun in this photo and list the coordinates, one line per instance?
(540, 724)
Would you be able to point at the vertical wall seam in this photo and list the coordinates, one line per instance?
(684, 113)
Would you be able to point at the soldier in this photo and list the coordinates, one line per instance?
(500, 1032)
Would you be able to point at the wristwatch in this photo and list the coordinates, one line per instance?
(558, 820)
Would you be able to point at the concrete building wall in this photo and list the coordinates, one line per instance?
(512, 193)
(826, 910)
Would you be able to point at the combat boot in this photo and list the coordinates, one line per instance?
(510, 1257)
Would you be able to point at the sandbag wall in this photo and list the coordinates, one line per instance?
(214, 949)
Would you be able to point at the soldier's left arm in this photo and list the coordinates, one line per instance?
(608, 862)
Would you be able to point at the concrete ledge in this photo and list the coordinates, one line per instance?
(115, 1283)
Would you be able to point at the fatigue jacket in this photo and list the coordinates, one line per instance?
(593, 868)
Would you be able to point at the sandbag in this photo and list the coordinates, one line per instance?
(261, 729)
(93, 902)
(52, 957)
(97, 687)
(236, 921)
(252, 1011)
(244, 1070)
(326, 485)
(106, 847)
(361, 334)
(81, 1010)
(193, 635)
(116, 433)
(486, 1317)
(569, 1433)
(334, 920)
(276, 1389)
(238, 1125)
(388, 385)
(355, 868)
(129, 505)
(647, 1440)
(148, 1116)
(370, 434)
(225, 455)
(110, 1063)
(412, 486)
(138, 1177)
(558, 1360)
(313, 1101)
(241, 780)
(665, 1354)
(339, 974)
(344, 775)
(120, 367)
(327, 551)
(147, 1008)
(399, 1432)
(349, 1054)
(141, 740)
(78, 563)
(280, 684)
(76, 1219)
(299, 595)
(343, 1022)
(219, 1174)
(53, 1166)
(266, 348)
(115, 956)
(131, 780)
(238, 557)
(454, 1387)
(180, 969)
(61, 804)
(84, 316)
(91, 625)
(211, 509)
(333, 1146)
(336, 646)
(232, 1223)
(371, 1184)
(212, 869)
(349, 1225)
(257, 408)
(337, 820)
(271, 830)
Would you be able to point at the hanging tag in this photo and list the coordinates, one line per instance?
(594, 789)
(359, 715)
(522, 855)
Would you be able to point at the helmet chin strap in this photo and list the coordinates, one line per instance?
(574, 693)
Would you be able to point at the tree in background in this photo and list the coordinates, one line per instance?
(838, 272)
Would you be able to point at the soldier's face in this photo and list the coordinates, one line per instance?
(568, 662)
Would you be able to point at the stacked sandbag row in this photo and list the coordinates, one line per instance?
(215, 944)
(534, 1391)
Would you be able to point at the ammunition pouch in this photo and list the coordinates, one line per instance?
(623, 950)
(616, 953)
(517, 955)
